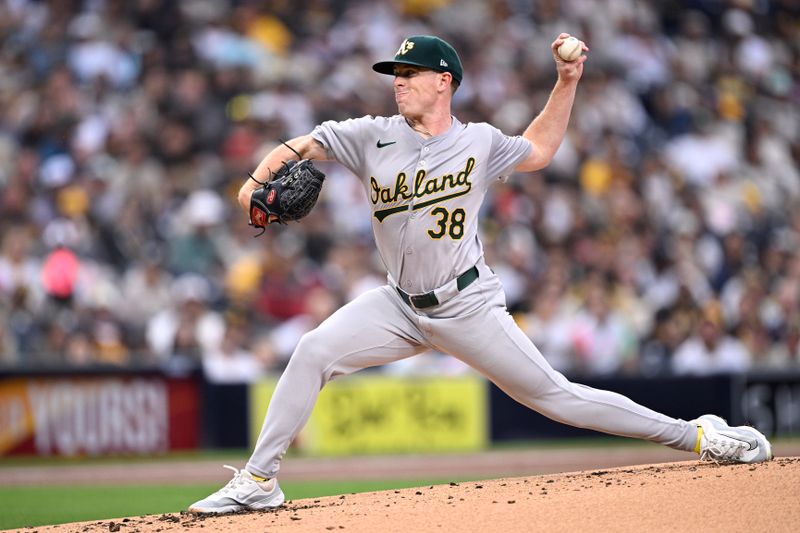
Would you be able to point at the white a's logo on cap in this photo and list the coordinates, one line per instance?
(443, 63)
(405, 47)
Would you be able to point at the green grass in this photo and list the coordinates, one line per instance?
(36, 506)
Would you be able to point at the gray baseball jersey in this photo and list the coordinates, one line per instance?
(425, 193)
(425, 196)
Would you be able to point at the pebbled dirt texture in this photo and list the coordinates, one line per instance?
(678, 496)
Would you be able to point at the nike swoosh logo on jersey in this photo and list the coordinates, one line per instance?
(381, 145)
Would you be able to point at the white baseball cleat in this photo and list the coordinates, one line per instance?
(720, 442)
(241, 492)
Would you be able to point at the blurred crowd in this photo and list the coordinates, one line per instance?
(662, 239)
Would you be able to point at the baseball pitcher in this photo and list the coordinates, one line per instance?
(425, 174)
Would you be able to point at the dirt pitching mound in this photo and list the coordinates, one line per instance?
(663, 497)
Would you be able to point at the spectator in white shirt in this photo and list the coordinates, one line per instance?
(711, 350)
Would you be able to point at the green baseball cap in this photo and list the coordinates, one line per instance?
(424, 51)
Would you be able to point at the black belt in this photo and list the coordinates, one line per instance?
(429, 299)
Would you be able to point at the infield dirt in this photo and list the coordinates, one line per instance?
(682, 496)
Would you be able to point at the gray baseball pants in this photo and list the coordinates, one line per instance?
(378, 327)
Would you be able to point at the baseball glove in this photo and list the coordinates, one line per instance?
(290, 195)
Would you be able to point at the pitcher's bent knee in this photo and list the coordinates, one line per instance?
(313, 355)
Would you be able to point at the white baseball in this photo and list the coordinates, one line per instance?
(570, 49)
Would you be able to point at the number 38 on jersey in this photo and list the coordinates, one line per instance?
(449, 223)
